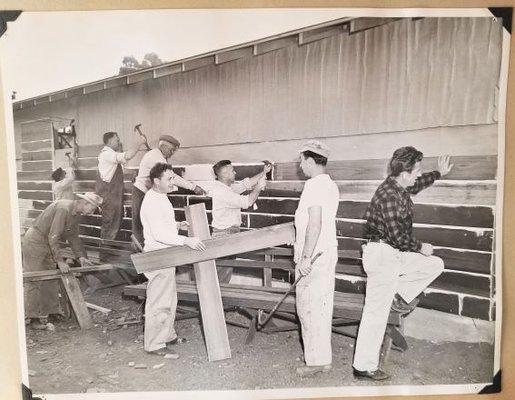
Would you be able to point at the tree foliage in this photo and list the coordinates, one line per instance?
(131, 64)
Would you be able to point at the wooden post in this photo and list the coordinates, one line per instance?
(210, 297)
(71, 285)
(267, 272)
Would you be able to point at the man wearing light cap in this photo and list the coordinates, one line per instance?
(316, 234)
(41, 251)
(166, 147)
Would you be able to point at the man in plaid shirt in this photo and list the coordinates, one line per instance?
(398, 266)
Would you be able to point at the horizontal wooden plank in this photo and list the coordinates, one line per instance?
(437, 236)
(55, 274)
(96, 220)
(89, 186)
(476, 308)
(215, 248)
(37, 166)
(25, 213)
(90, 151)
(37, 145)
(320, 33)
(37, 130)
(466, 261)
(87, 163)
(470, 216)
(446, 302)
(465, 168)
(40, 205)
(35, 195)
(34, 176)
(462, 283)
(35, 186)
(37, 155)
(276, 44)
(473, 216)
(442, 192)
(232, 55)
(198, 63)
(94, 231)
(91, 175)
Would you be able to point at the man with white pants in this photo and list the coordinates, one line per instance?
(398, 266)
(316, 233)
(160, 231)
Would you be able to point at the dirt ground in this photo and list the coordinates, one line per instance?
(69, 360)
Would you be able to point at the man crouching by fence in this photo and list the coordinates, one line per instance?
(160, 230)
(316, 253)
(398, 266)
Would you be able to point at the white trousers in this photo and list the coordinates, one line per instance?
(389, 271)
(160, 308)
(315, 298)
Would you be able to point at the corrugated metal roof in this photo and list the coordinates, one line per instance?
(299, 36)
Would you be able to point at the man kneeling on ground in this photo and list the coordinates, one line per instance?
(160, 230)
(398, 266)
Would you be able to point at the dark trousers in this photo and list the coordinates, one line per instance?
(112, 206)
(137, 227)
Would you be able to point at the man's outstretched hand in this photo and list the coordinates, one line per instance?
(444, 166)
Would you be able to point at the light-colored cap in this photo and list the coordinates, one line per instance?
(316, 147)
(92, 198)
(170, 139)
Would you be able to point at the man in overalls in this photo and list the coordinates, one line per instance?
(110, 184)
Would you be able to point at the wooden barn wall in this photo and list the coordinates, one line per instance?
(381, 89)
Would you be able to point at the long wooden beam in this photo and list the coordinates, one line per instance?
(215, 248)
(56, 274)
(208, 288)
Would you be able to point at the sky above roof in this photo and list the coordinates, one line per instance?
(49, 51)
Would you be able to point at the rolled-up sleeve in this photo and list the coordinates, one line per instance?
(55, 233)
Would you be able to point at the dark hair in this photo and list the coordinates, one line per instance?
(157, 171)
(404, 159)
(108, 136)
(320, 160)
(58, 174)
(219, 165)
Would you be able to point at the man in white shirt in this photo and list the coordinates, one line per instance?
(316, 233)
(166, 147)
(161, 230)
(110, 184)
(228, 201)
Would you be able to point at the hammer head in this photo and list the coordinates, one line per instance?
(136, 127)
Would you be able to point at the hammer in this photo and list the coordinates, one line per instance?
(137, 128)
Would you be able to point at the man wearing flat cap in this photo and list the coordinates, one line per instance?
(166, 147)
(41, 251)
(316, 253)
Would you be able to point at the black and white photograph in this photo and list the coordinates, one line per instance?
(257, 203)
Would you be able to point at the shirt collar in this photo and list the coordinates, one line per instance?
(394, 184)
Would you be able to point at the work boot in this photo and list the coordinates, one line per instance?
(40, 324)
(307, 370)
(399, 305)
(160, 352)
(377, 375)
(172, 343)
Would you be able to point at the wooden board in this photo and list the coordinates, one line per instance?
(210, 298)
(71, 285)
(442, 192)
(37, 145)
(37, 155)
(35, 195)
(34, 176)
(465, 168)
(56, 273)
(35, 186)
(37, 165)
(216, 248)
